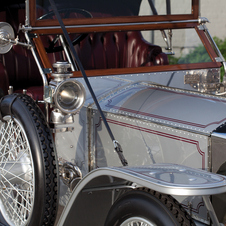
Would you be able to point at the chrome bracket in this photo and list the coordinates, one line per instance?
(48, 94)
(62, 130)
(69, 173)
(219, 59)
(202, 27)
(119, 151)
(26, 29)
(211, 211)
(203, 20)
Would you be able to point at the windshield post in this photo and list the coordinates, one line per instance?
(27, 16)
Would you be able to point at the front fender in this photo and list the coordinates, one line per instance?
(97, 191)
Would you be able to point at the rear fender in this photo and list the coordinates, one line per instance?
(96, 192)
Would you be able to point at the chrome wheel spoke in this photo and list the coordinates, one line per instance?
(16, 173)
(19, 177)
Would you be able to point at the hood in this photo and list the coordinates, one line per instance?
(201, 113)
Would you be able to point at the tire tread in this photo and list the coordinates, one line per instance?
(181, 215)
(51, 175)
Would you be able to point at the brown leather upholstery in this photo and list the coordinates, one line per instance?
(96, 51)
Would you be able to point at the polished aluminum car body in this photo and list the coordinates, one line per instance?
(158, 128)
(125, 112)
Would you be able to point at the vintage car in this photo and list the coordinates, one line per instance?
(112, 113)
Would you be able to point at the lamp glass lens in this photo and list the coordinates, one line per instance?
(68, 95)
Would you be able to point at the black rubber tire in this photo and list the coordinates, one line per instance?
(25, 110)
(156, 208)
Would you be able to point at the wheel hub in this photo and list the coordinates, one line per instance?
(16, 171)
(137, 221)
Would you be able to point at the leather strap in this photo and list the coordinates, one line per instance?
(76, 58)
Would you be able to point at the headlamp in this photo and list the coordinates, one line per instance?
(69, 96)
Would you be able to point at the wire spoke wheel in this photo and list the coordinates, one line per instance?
(17, 173)
(137, 221)
(28, 165)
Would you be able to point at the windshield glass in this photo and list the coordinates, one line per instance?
(112, 8)
(133, 49)
(186, 46)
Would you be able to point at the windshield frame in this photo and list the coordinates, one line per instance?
(124, 24)
(112, 20)
(145, 69)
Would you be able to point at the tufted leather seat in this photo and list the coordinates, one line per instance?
(119, 50)
(96, 51)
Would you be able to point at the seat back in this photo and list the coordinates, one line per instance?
(118, 50)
